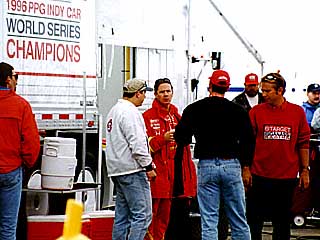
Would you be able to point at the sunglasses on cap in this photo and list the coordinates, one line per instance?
(143, 88)
(274, 78)
(15, 76)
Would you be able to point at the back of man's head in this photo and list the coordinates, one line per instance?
(219, 81)
(5, 71)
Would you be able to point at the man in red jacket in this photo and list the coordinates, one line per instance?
(281, 151)
(19, 145)
(160, 121)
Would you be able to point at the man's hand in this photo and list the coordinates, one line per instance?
(304, 179)
(169, 136)
(151, 175)
(246, 178)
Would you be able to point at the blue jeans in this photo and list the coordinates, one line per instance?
(133, 213)
(221, 179)
(10, 195)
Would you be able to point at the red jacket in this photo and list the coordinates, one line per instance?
(19, 138)
(158, 122)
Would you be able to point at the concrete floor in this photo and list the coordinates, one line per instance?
(309, 232)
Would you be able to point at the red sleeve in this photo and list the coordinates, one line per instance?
(156, 142)
(30, 142)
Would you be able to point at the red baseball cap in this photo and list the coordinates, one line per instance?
(251, 78)
(220, 78)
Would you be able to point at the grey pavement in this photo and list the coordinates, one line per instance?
(308, 232)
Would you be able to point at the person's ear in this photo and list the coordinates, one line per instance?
(8, 81)
(280, 90)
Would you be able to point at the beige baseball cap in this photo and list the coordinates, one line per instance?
(135, 85)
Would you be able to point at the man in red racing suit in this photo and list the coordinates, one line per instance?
(160, 121)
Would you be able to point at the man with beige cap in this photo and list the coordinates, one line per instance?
(129, 163)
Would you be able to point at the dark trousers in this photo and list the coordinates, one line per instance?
(179, 225)
(270, 200)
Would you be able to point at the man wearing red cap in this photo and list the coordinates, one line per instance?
(223, 146)
(251, 95)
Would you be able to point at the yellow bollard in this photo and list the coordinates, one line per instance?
(72, 223)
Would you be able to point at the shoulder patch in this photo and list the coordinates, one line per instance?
(109, 125)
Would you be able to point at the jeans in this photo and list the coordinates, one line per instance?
(270, 199)
(221, 179)
(10, 195)
(133, 212)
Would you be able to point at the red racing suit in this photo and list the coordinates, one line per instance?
(158, 122)
(19, 138)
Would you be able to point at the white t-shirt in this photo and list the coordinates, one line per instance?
(252, 100)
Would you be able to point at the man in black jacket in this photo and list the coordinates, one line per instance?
(223, 146)
(251, 95)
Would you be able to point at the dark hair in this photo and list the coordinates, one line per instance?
(276, 79)
(219, 89)
(159, 82)
(128, 95)
(5, 72)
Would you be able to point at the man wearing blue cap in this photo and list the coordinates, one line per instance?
(310, 106)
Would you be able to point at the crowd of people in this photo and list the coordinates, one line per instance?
(253, 153)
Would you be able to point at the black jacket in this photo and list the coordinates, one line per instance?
(243, 101)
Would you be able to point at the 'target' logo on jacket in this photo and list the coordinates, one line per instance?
(277, 132)
(109, 125)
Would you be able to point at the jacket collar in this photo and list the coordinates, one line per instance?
(162, 112)
(4, 93)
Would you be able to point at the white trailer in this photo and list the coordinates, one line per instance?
(52, 46)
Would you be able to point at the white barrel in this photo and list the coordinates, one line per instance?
(58, 146)
(56, 182)
(58, 166)
(58, 172)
